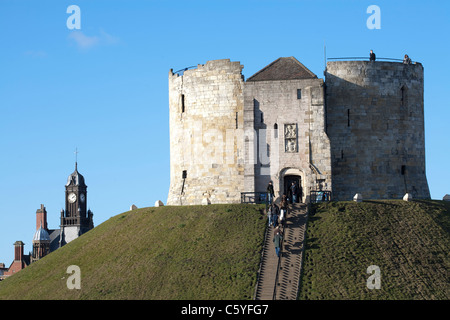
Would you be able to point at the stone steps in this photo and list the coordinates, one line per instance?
(291, 257)
(283, 286)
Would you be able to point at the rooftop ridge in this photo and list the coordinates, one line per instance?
(271, 72)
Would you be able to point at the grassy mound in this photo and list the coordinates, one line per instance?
(213, 252)
(195, 252)
(408, 241)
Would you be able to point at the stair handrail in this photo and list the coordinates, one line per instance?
(258, 275)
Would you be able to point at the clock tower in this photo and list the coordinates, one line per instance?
(75, 219)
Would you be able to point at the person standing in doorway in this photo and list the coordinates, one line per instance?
(294, 190)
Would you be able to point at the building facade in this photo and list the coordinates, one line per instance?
(75, 220)
(361, 130)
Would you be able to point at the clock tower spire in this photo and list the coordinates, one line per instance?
(75, 219)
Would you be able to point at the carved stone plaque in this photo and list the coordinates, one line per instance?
(290, 137)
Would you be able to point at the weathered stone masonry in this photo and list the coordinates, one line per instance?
(294, 125)
(360, 131)
(375, 121)
(206, 107)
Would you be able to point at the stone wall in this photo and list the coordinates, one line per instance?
(206, 134)
(289, 134)
(228, 136)
(69, 234)
(375, 122)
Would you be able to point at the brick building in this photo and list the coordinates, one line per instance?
(74, 221)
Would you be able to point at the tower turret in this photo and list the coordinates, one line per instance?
(41, 244)
(375, 122)
(206, 118)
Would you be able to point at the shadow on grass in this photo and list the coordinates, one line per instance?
(312, 243)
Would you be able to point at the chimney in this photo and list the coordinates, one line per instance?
(18, 250)
(41, 218)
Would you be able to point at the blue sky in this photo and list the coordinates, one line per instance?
(103, 88)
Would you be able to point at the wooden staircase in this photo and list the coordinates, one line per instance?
(279, 277)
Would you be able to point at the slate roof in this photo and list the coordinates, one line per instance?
(287, 68)
(41, 235)
(75, 178)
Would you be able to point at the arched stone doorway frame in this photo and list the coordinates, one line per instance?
(291, 171)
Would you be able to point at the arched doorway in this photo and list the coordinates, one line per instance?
(289, 175)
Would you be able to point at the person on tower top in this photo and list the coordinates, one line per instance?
(406, 59)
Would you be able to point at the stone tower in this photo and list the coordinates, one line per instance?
(375, 122)
(206, 153)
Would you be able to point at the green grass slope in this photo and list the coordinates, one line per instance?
(213, 252)
(408, 241)
(196, 252)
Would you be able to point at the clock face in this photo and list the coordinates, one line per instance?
(82, 197)
(72, 197)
